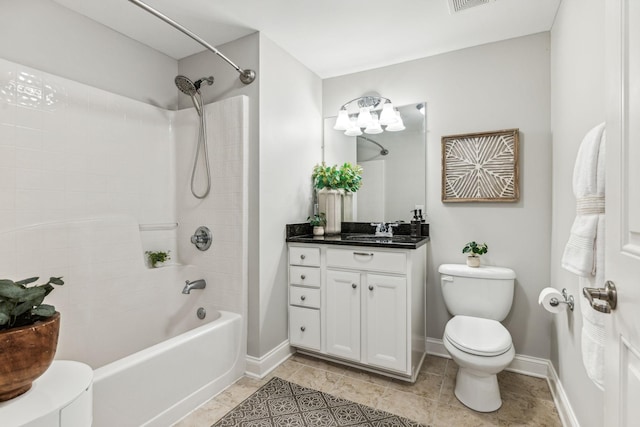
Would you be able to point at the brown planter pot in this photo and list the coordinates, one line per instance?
(25, 354)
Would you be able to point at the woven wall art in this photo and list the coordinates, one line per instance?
(481, 167)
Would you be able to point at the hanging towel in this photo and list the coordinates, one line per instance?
(579, 253)
(584, 252)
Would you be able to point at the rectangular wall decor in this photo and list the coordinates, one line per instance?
(481, 167)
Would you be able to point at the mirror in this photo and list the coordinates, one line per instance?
(393, 164)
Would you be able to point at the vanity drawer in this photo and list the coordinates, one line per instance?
(299, 255)
(366, 259)
(304, 327)
(304, 297)
(305, 276)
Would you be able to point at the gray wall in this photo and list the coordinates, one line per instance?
(490, 87)
(285, 139)
(577, 104)
(44, 35)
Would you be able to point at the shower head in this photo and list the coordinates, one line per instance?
(190, 88)
(185, 85)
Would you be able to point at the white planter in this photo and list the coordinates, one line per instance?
(330, 203)
(318, 230)
(347, 206)
(473, 261)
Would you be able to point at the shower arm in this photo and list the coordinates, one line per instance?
(246, 76)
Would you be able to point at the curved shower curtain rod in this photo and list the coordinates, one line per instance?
(246, 76)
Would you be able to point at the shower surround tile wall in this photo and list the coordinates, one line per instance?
(81, 170)
(70, 150)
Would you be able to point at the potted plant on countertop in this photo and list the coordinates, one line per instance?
(157, 258)
(474, 250)
(28, 334)
(318, 222)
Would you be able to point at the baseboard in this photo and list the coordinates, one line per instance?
(521, 364)
(260, 367)
(565, 411)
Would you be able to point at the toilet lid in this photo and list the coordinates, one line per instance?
(474, 335)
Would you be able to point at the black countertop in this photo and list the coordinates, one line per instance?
(359, 234)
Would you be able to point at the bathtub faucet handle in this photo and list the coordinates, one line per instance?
(196, 284)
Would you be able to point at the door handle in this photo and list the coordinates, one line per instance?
(602, 299)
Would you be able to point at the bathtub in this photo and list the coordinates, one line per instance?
(162, 383)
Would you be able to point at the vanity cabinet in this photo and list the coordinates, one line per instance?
(369, 306)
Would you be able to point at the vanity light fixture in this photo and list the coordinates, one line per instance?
(374, 112)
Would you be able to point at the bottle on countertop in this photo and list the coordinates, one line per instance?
(416, 224)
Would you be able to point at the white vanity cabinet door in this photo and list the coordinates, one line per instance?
(386, 321)
(343, 314)
(304, 327)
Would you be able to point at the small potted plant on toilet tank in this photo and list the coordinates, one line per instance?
(474, 250)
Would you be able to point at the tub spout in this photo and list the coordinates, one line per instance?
(196, 284)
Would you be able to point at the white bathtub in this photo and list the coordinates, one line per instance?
(161, 384)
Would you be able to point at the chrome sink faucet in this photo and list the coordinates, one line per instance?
(196, 284)
(384, 229)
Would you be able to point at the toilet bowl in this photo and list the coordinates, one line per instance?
(481, 348)
(478, 299)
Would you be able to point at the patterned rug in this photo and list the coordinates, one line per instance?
(280, 403)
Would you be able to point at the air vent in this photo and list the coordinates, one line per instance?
(460, 5)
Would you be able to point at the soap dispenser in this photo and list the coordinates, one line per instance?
(416, 224)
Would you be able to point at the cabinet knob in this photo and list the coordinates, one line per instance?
(302, 276)
(302, 328)
(302, 256)
(302, 297)
(370, 287)
(353, 285)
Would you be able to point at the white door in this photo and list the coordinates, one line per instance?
(386, 321)
(622, 254)
(343, 314)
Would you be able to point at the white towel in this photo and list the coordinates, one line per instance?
(588, 187)
(584, 253)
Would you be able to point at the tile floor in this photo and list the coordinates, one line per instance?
(430, 401)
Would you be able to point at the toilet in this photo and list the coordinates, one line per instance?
(479, 299)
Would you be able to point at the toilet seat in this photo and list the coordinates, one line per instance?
(478, 336)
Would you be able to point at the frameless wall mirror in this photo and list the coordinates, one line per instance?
(393, 163)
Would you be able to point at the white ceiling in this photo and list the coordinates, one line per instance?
(331, 37)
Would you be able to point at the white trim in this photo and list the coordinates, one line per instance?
(260, 367)
(565, 411)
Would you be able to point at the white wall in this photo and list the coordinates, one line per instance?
(495, 86)
(45, 35)
(577, 104)
(290, 140)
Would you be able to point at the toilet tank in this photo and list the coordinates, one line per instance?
(486, 291)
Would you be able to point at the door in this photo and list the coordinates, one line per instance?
(386, 321)
(622, 253)
(343, 314)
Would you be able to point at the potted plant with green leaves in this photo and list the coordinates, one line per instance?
(318, 222)
(350, 182)
(28, 333)
(326, 180)
(474, 250)
(158, 258)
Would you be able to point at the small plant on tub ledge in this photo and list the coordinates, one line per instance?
(474, 250)
(318, 222)
(156, 258)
